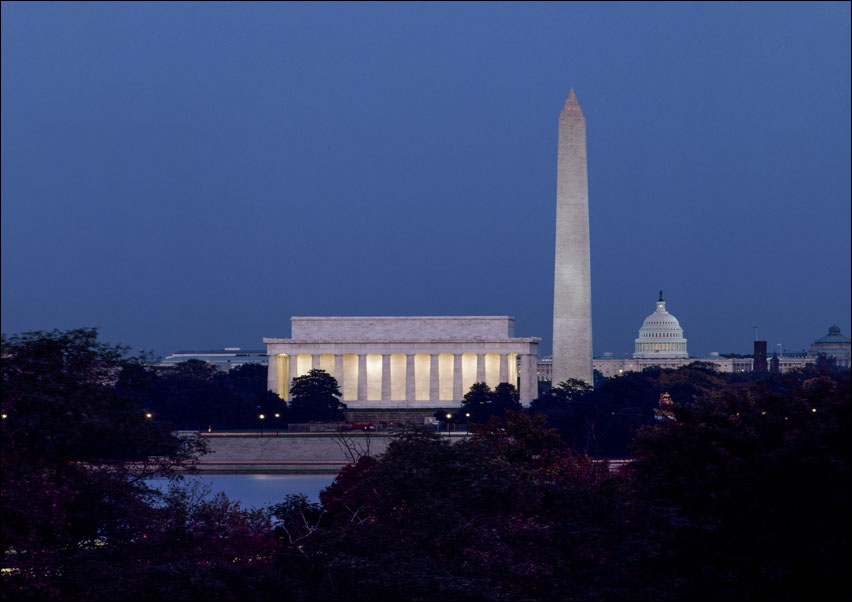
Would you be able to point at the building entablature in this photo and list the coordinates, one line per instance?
(519, 346)
(401, 328)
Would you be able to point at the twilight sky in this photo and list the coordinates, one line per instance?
(189, 175)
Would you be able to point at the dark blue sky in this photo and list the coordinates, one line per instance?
(191, 175)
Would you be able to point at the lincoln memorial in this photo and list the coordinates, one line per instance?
(405, 362)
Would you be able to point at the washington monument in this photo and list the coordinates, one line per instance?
(572, 282)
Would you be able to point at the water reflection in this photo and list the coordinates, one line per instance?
(258, 490)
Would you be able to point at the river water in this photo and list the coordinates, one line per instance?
(258, 490)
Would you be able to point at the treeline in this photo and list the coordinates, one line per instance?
(735, 492)
(195, 395)
(603, 420)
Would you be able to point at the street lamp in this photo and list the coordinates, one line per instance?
(261, 424)
(277, 416)
(448, 423)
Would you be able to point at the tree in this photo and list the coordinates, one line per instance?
(566, 393)
(75, 454)
(61, 403)
(477, 402)
(480, 402)
(505, 398)
(194, 395)
(249, 383)
(750, 486)
(315, 396)
(506, 514)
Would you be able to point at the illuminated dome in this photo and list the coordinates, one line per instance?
(660, 336)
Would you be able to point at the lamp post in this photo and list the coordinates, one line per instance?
(261, 424)
(277, 416)
(448, 423)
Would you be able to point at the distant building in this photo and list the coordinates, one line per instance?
(835, 346)
(661, 337)
(760, 364)
(224, 359)
(661, 344)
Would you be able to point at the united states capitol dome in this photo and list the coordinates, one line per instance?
(660, 336)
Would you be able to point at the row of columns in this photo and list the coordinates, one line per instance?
(528, 388)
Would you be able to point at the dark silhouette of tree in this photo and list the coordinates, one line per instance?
(195, 395)
(480, 402)
(249, 384)
(603, 421)
(750, 487)
(525, 508)
(315, 396)
(75, 453)
(505, 397)
(732, 499)
(739, 491)
(564, 394)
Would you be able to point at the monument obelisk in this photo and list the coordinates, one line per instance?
(572, 281)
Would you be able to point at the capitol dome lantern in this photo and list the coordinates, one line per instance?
(660, 336)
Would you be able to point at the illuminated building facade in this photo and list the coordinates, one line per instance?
(405, 362)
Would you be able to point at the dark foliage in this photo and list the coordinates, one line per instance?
(603, 421)
(315, 396)
(752, 488)
(481, 403)
(194, 395)
(75, 453)
(737, 491)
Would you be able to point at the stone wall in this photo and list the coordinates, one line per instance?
(306, 452)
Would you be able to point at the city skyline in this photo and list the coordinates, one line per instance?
(192, 175)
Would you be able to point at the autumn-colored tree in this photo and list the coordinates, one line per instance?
(508, 513)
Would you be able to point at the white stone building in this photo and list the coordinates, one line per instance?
(835, 346)
(661, 336)
(405, 362)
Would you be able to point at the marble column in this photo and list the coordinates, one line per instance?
(386, 377)
(315, 362)
(410, 391)
(504, 368)
(434, 378)
(362, 377)
(338, 371)
(293, 369)
(458, 389)
(480, 367)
